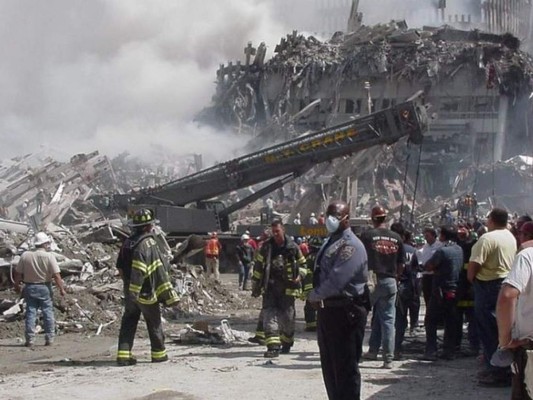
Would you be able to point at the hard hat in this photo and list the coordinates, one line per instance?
(142, 216)
(213, 234)
(378, 212)
(245, 237)
(41, 238)
(312, 214)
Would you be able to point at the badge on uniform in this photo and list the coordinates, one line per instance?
(346, 253)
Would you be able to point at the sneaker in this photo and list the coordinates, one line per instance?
(256, 340)
(429, 357)
(285, 349)
(387, 365)
(125, 362)
(271, 353)
(370, 356)
(160, 360)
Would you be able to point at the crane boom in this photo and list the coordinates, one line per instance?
(295, 156)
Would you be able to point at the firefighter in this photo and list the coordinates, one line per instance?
(278, 273)
(212, 253)
(144, 272)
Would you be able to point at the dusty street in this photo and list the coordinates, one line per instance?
(83, 367)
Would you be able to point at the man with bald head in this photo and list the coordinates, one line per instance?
(341, 296)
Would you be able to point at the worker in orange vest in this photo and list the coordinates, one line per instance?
(212, 252)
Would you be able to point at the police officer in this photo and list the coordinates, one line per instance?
(342, 298)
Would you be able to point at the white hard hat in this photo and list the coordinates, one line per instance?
(41, 238)
(245, 237)
(312, 214)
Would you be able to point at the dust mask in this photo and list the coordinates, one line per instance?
(332, 224)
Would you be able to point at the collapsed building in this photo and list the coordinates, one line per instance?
(478, 85)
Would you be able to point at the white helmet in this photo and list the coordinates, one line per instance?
(41, 238)
(245, 237)
(312, 214)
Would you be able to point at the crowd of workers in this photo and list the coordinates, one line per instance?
(478, 275)
(464, 273)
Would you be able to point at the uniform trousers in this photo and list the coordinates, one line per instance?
(128, 328)
(340, 333)
(279, 317)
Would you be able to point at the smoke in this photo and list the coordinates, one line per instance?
(120, 75)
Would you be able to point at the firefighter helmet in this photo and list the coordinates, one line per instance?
(142, 217)
(378, 212)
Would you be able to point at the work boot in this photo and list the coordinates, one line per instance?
(429, 357)
(29, 343)
(125, 362)
(397, 356)
(271, 353)
(387, 365)
(160, 360)
(48, 342)
(285, 349)
(256, 340)
(370, 355)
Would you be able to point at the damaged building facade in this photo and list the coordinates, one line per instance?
(478, 86)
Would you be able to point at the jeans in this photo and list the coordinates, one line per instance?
(383, 318)
(485, 297)
(244, 273)
(39, 296)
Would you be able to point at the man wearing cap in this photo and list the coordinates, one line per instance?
(245, 254)
(38, 268)
(514, 313)
(144, 272)
(386, 257)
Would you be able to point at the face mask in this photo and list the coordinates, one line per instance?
(332, 224)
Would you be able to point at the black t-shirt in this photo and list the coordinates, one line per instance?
(385, 251)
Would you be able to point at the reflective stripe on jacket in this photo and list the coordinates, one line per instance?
(150, 282)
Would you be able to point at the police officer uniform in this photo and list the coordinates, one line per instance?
(341, 273)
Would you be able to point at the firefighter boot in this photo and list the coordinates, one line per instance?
(271, 353)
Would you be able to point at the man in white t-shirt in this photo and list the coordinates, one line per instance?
(514, 313)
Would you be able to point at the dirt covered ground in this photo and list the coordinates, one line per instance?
(82, 366)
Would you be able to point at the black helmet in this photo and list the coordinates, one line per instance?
(142, 217)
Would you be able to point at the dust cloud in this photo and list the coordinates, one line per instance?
(120, 75)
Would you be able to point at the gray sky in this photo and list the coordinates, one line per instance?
(115, 75)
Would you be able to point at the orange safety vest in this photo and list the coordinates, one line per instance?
(212, 248)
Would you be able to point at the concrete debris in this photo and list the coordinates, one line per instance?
(477, 83)
(199, 333)
(94, 290)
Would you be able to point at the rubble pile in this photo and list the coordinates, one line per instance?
(94, 289)
(390, 51)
